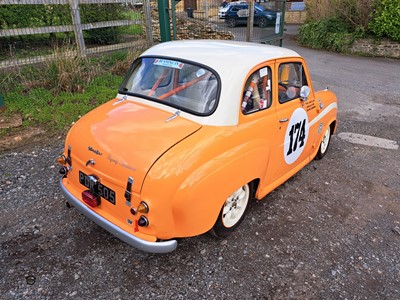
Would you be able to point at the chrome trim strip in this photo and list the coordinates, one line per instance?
(154, 247)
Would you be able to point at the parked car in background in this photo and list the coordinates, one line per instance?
(236, 13)
(191, 137)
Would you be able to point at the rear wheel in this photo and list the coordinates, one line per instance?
(232, 212)
(231, 22)
(323, 147)
(262, 22)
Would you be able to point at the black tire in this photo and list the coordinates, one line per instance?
(231, 22)
(237, 203)
(323, 147)
(262, 22)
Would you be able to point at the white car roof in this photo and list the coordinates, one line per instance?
(219, 53)
(232, 61)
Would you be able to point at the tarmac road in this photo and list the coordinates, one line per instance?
(330, 232)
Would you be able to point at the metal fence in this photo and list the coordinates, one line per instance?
(208, 13)
(31, 29)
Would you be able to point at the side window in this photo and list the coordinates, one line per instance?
(291, 78)
(257, 93)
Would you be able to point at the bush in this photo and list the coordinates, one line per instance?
(69, 72)
(331, 34)
(356, 13)
(99, 13)
(319, 10)
(386, 20)
(26, 16)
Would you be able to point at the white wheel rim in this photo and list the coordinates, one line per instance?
(235, 206)
(325, 140)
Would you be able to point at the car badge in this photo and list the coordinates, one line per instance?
(95, 151)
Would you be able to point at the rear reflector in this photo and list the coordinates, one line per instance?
(90, 199)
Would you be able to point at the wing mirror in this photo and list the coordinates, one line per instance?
(304, 92)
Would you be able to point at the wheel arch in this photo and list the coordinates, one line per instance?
(333, 126)
(255, 184)
(188, 185)
(210, 208)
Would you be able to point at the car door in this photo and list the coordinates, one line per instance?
(292, 143)
(258, 120)
(242, 12)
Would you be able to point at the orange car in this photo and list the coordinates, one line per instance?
(198, 129)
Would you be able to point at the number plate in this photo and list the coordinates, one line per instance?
(94, 185)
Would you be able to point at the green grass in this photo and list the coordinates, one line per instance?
(40, 107)
(35, 94)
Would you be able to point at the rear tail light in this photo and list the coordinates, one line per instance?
(65, 160)
(90, 199)
(61, 160)
(143, 221)
(63, 171)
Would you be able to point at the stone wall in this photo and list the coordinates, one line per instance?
(295, 17)
(189, 28)
(385, 47)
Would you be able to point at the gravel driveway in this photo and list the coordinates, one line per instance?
(330, 232)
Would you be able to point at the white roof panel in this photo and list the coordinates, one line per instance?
(220, 53)
(232, 61)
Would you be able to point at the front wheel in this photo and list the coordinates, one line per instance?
(232, 212)
(323, 147)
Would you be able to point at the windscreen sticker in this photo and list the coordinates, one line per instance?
(168, 63)
(296, 135)
(263, 72)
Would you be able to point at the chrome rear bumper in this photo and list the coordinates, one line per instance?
(154, 247)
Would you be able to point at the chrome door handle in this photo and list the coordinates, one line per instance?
(283, 120)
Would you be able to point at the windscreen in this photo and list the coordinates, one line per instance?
(184, 85)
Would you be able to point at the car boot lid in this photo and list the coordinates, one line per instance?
(124, 140)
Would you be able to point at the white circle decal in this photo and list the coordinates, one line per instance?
(296, 136)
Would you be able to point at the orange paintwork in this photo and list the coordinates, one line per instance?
(185, 171)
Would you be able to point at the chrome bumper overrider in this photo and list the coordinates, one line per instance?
(154, 247)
